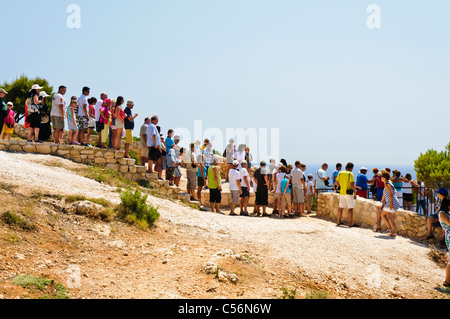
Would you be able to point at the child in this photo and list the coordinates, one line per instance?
(309, 193)
(9, 123)
(285, 197)
(73, 128)
(171, 163)
(177, 172)
(91, 124)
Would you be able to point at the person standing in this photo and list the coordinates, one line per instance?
(83, 115)
(129, 126)
(215, 186)
(143, 142)
(71, 122)
(248, 157)
(208, 155)
(347, 197)
(34, 117)
(445, 223)
(336, 172)
(119, 125)
(230, 150)
(262, 189)
(234, 179)
(91, 125)
(309, 193)
(106, 121)
(3, 108)
(362, 183)
(202, 175)
(8, 122)
(298, 189)
(191, 173)
(245, 188)
(322, 180)
(391, 206)
(98, 124)
(285, 198)
(57, 114)
(154, 145)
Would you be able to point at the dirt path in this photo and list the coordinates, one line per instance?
(301, 253)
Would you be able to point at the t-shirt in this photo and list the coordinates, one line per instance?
(260, 175)
(309, 187)
(169, 144)
(244, 173)
(129, 125)
(82, 101)
(361, 181)
(345, 178)
(98, 107)
(284, 185)
(143, 131)
(297, 178)
(233, 177)
(239, 156)
(320, 184)
(57, 100)
(335, 175)
(280, 177)
(205, 172)
(153, 131)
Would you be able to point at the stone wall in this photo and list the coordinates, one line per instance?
(104, 158)
(409, 224)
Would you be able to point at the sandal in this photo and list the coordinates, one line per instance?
(376, 229)
(446, 284)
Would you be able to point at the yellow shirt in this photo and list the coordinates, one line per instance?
(345, 178)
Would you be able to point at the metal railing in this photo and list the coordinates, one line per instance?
(423, 201)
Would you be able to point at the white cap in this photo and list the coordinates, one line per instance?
(235, 163)
(364, 169)
(243, 162)
(10, 103)
(43, 94)
(36, 87)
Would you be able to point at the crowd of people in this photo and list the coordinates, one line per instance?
(294, 190)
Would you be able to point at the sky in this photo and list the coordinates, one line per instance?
(335, 89)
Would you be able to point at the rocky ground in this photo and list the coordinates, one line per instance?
(192, 254)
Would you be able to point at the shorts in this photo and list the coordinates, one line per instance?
(245, 192)
(7, 130)
(215, 196)
(191, 178)
(128, 136)
(154, 154)
(299, 196)
(91, 123)
(200, 181)
(58, 123)
(235, 197)
(407, 197)
(83, 122)
(387, 209)
(346, 201)
(286, 199)
(144, 152)
(119, 124)
(99, 127)
(34, 119)
(262, 198)
(309, 200)
(362, 194)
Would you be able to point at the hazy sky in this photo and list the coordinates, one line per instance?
(337, 90)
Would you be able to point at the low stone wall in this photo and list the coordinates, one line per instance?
(108, 159)
(226, 199)
(409, 224)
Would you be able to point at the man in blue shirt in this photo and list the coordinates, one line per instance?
(154, 147)
(362, 183)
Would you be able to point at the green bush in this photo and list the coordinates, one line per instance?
(16, 221)
(55, 290)
(134, 209)
(433, 168)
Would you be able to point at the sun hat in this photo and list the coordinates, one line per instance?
(36, 87)
(3, 91)
(43, 94)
